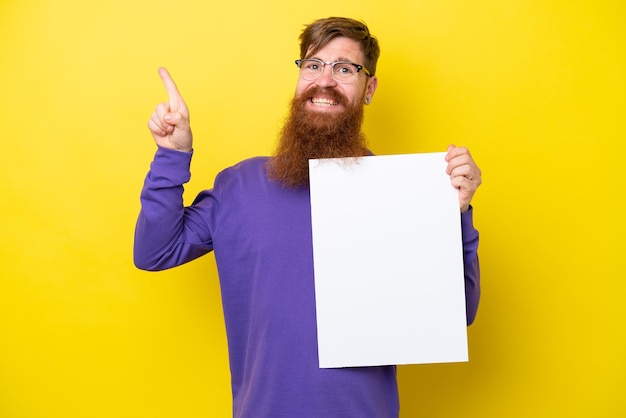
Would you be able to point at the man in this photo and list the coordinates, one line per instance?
(257, 220)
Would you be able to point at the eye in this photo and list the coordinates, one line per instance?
(311, 65)
(344, 69)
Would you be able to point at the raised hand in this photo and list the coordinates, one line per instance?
(464, 174)
(169, 123)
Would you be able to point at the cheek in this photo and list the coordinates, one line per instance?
(356, 95)
(302, 86)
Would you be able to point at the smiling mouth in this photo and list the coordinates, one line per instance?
(324, 102)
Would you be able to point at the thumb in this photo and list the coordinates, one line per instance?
(450, 148)
(178, 120)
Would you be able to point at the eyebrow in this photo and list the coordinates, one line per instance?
(340, 59)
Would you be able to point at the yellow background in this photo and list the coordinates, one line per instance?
(535, 89)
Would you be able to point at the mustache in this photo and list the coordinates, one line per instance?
(323, 91)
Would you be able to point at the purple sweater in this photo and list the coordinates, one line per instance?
(260, 233)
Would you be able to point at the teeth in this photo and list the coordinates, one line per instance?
(324, 102)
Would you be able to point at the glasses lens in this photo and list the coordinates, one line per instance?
(344, 71)
(311, 69)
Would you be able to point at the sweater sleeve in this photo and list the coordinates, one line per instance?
(167, 234)
(471, 265)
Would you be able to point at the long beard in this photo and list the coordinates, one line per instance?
(308, 135)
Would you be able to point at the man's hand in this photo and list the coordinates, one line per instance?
(169, 123)
(464, 174)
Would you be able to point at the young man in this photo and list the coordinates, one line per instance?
(257, 220)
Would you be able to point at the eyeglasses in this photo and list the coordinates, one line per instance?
(343, 72)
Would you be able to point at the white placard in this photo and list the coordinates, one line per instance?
(388, 261)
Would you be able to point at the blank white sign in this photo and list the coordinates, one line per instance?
(388, 261)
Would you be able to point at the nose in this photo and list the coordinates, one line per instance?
(326, 79)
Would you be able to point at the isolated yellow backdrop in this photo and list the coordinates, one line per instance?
(534, 88)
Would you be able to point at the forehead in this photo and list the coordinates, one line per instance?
(339, 49)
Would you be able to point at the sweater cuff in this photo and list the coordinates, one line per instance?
(467, 225)
(172, 165)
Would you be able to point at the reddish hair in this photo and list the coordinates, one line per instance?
(319, 33)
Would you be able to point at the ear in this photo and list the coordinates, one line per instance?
(370, 88)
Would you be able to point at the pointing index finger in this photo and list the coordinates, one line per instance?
(170, 86)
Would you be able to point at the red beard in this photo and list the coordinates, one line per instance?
(308, 134)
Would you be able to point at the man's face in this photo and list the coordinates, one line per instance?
(325, 118)
(318, 93)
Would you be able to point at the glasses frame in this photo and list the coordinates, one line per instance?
(332, 67)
